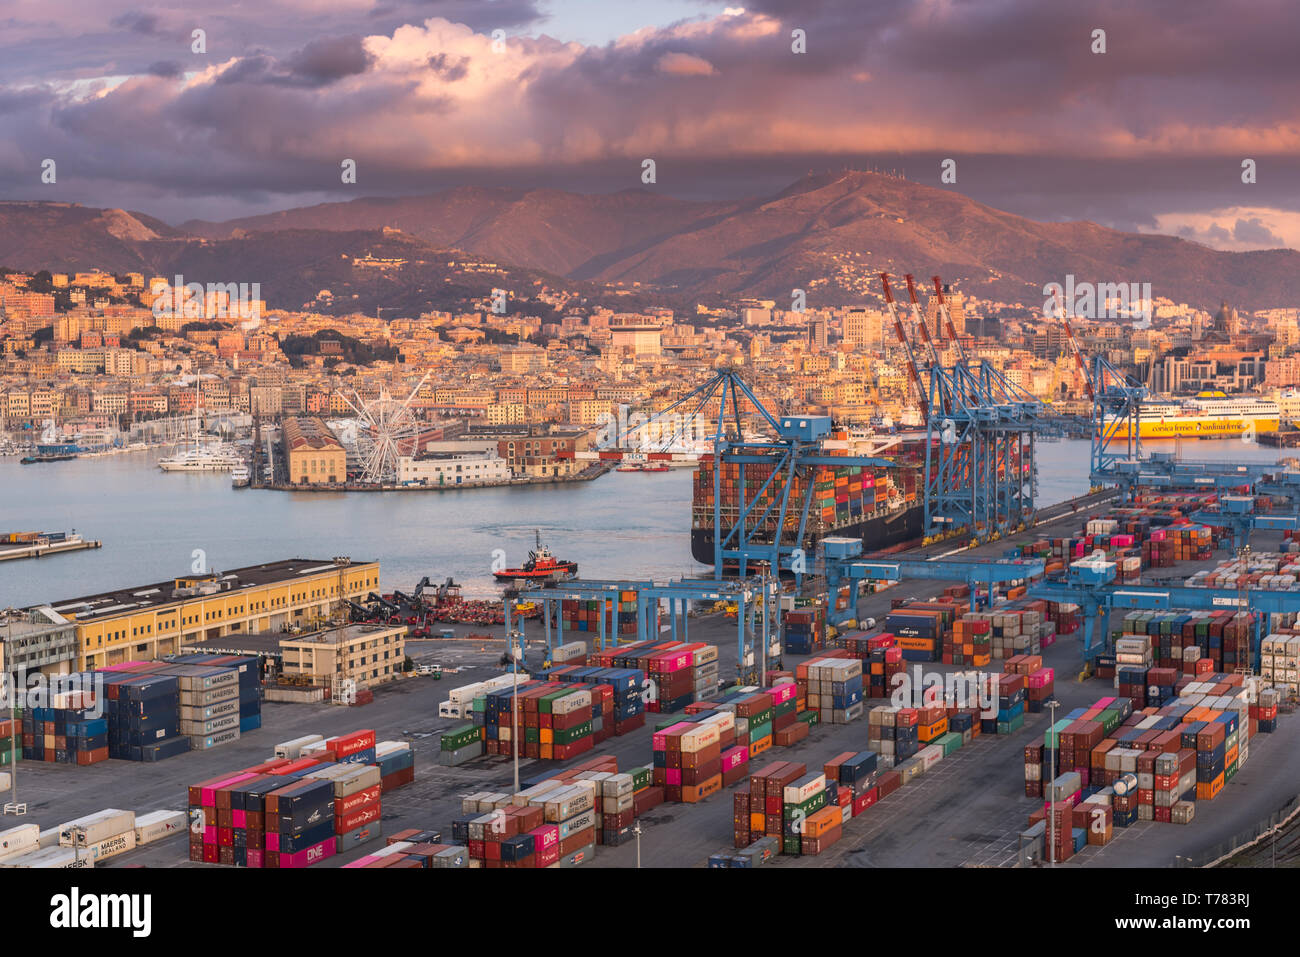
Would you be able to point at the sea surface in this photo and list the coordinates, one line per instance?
(622, 525)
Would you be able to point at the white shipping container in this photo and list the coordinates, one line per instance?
(94, 828)
(112, 846)
(157, 825)
(19, 840)
(384, 748)
(201, 699)
(570, 651)
(211, 726)
(50, 857)
(292, 750)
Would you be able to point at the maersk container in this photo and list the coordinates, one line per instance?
(212, 725)
(208, 742)
(111, 846)
(209, 712)
(93, 828)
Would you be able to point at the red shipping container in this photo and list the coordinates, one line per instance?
(343, 823)
(343, 805)
(352, 743)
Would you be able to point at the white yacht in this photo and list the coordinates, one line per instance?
(215, 459)
(240, 476)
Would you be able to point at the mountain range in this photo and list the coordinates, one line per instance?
(828, 234)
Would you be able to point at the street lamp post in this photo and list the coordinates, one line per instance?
(516, 655)
(10, 688)
(1051, 819)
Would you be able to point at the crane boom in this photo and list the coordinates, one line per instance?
(946, 318)
(1074, 347)
(920, 320)
(907, 347)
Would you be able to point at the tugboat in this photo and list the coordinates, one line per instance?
(541, 566)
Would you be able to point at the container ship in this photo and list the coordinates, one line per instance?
(882, 506)
(1211, 415)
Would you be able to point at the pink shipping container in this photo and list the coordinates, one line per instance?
(676, 660)
(312, 855)
(209, 794)
(240, 818)
(660, 740)
(1041, 678)
(256, 857)
(783, 693)
(548, 835)
(363, 861)
(734, 757)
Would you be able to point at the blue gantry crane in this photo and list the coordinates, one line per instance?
(842, 562)
(1238, 513)
(980, 431)
(759, 528)
(1117, 457)
(758, 621)
(1090, 583)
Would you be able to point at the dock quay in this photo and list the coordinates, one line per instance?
(40, 544)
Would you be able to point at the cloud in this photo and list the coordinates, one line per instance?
(326, 60)
(1235, 229)
(683, 64)
(164, 68)
(414, 91)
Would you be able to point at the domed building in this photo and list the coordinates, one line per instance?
(1226, 320)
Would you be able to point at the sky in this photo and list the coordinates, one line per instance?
(1149, 135)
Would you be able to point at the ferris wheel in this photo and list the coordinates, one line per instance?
(386, 430)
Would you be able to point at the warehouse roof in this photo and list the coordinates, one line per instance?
(143, 597)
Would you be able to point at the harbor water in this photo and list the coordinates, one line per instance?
(157, 526)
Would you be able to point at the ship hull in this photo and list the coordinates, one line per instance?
(1196, 427)
(877, 533)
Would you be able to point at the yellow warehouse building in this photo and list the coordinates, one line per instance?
(149, 621)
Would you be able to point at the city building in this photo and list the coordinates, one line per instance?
(37, 640)
(453, 468)
(366, 654)
(313, 454)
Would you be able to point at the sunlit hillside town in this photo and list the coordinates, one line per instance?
(92, 363)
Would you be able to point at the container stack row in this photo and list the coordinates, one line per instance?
(1120, 764)
(316, 798)
(678, 673)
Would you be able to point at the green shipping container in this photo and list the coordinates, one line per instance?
(456, 738)
(1050, 736)
(790, 845)
(570, 735)
(642, 777)
(809, 717)
(950, 742)
(759, 731)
